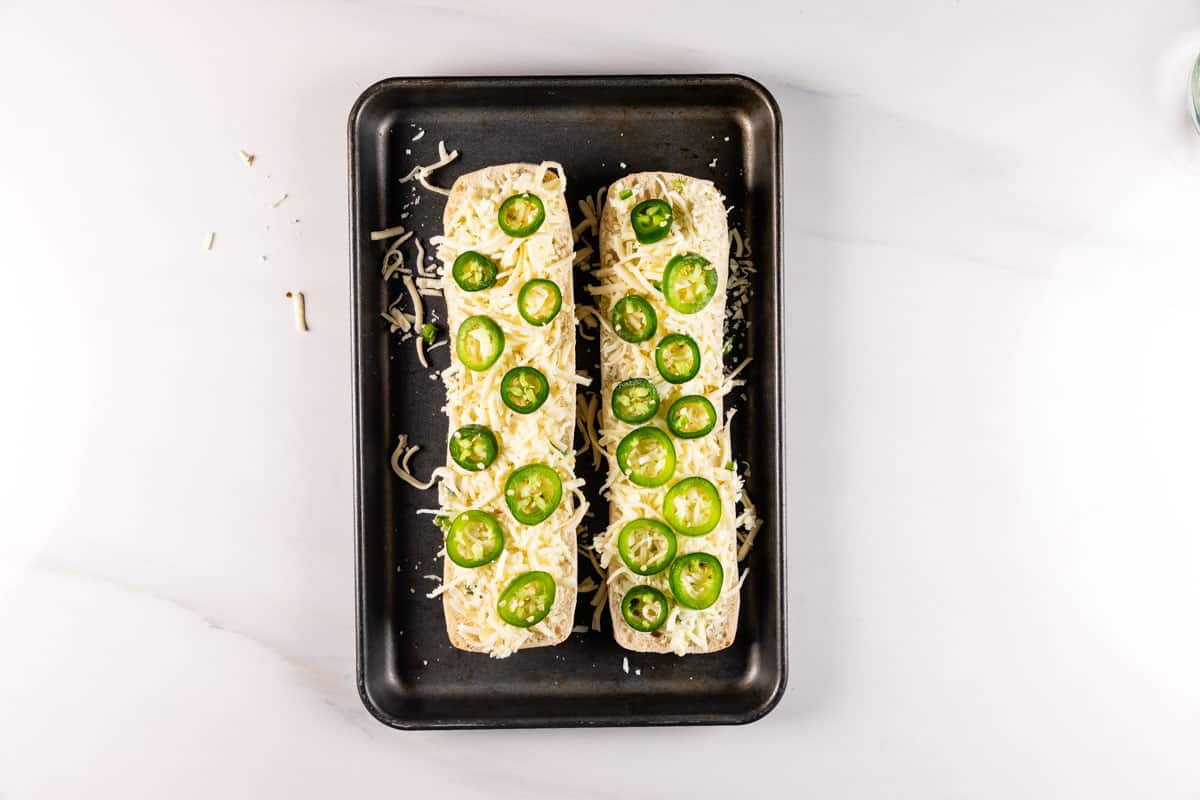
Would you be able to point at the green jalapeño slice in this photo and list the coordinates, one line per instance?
(692, 506)
(633, 318)
(651, 220)
(474, 272)
(646, 546)
(524, 389)
(480, 342)
(539, 301)
(691, 416)
(475, 539)
(696, 580)
(527, 600)
(532, 493)
(473, 447)
(689, 283)
(521, 215)
(647, 456)
(644, 608)
(677, 358)
(635, 401)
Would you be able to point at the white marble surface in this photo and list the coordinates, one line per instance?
(993, 283)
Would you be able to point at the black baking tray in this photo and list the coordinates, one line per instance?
(599, 128)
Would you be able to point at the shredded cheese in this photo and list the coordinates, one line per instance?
(208, 240)
(393, 258)
(399, 463)
(419, 314)
(421, 173)
(387, 233)
(298, 311)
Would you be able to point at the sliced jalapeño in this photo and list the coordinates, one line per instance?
(634, 319)
(539, 301)
(527, 599)
(635, 400)
(691, 416)
(479, 342)
(696, 580)
(647, 456)
(473, 447)
(692, 506)
(473, 271)
(651, 220)
(677, 357)
(646, 546)
(475, 539)
(532, 493)
(521, 215)
(644, 608)
(689, 283)
(524, 389)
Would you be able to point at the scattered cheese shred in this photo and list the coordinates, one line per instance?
(742, 579)
(387, 233)
(279, 202)
(589, 585)
(208, 240)
(599, 599)
(400, 458)
(750, 523)
(247, 158)
(393, 259)
(297, 299)
(419, 322)
(420, 173)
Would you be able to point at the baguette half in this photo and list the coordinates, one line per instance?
(627, 267)
(545, 436)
